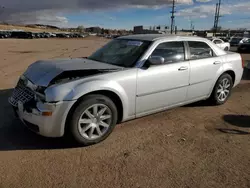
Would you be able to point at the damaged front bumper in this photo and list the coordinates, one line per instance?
(46, 119)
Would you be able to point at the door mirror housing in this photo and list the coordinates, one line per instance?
(156, 60)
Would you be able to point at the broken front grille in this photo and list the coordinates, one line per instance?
(21, 93)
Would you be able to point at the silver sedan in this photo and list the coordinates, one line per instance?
(129, 77)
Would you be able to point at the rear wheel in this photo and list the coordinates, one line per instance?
(226, 49)
(222, 89)
(93, 119)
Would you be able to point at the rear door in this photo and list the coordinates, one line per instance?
(204, 68)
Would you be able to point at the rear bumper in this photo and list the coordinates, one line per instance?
(48, 126)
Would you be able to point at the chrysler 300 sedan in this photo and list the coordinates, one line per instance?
(129, 77)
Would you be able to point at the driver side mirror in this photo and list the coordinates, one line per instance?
(156, 60)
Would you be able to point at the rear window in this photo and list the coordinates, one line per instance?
(200, 50)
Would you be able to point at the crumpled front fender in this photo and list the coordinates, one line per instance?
(73, 91)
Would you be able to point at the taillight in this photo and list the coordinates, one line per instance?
(242, 61)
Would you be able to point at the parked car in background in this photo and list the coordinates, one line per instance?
(236, 41)
(22, 35)
(244, 47)
(36, 35)
(47, 35)
(245, 39)
(52, 34)
(130, 77)
(220, 43)
(62, 35)
(3, 34)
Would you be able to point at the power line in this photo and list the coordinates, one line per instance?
(172, 17)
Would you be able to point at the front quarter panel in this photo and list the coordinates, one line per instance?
(122, 83)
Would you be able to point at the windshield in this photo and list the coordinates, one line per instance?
(121, 52)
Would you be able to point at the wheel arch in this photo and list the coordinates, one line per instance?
(110, 94)
(230, 72)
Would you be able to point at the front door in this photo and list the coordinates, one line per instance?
(165, 85)
(204, 68)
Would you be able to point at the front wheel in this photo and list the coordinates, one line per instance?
(222, 89)
(226, 49)
(93, 120)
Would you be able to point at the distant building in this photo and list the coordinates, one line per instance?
(138, 29)
(93, 30)
(141, 30)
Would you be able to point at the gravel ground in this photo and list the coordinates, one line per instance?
(193, 146)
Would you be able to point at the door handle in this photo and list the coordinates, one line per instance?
(182, 68)
(217, 62)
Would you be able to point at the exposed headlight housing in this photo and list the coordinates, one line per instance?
(40, 89)
(39, 93)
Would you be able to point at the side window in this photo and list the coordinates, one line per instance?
(172, 52)
(199, 50)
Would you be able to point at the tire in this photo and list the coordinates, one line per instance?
(81, 132)
(226, 49)
(218, 99)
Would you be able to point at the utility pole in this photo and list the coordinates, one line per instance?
(191, 25)
(172, 17)
(215, 20)
(216, 17)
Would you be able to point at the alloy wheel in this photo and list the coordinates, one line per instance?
(95, 121)
(223, 90)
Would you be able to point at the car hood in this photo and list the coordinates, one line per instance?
(43, 72)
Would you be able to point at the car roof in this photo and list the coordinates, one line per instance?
(154, 37)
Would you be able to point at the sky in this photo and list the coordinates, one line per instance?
(124, 14)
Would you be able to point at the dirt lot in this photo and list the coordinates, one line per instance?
(192, 146)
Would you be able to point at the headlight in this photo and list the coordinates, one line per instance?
(39, 97)
(39, 93)
(40, 89)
